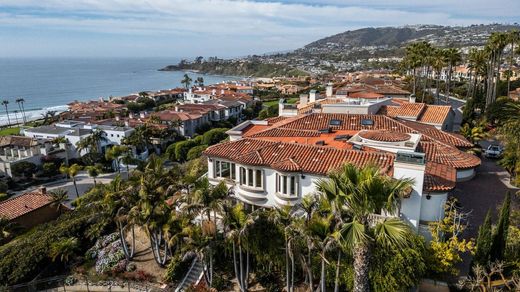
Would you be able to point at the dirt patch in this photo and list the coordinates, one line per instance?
(143, 258)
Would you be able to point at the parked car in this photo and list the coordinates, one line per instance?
(493, 151)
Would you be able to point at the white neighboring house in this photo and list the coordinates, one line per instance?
(15, 149)
(75, 131)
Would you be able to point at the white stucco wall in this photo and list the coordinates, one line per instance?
(433, 209)
(411, 207)
(465, 174)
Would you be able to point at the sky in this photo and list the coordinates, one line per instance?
(224, 28)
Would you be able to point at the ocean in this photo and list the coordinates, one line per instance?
(51, 83)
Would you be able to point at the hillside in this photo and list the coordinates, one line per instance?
(366, 48)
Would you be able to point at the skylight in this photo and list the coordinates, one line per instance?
(335, 122)
(367, 122)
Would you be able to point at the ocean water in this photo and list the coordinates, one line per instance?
(51, 83)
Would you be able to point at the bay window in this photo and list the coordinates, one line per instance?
(287, 184)
(251, 177)
(224, 169)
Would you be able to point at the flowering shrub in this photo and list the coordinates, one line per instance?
(70, 280)
(109, 255)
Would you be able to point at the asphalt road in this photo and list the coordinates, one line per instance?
(83, 182)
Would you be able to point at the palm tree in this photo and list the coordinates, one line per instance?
(59, 198)
(5, 102)
(361, 193)
(200, 81)
(438, 63)
(283, 217)
(64, 249)
(94, 171)
(20, 102)
(186, 81)
(494, 48)
(512, 37)
(71, 172)
(478, 68)
(412, 61)
(235, 222)
(452, 58)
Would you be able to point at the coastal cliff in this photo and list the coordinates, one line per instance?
(235, 68)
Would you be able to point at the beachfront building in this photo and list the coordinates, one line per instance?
(75, 131)
(276, 162)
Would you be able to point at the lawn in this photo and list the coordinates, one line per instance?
(274, 102)
(10, 131)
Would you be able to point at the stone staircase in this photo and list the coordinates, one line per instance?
(193, 276)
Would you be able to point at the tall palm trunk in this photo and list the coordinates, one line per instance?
(287, 280)
(336, 280)
(511, 57)
(361, 268)
(7, 113)
(323, 274)
(75, 187)
(23, 115)
(414, 81)
(23, 111)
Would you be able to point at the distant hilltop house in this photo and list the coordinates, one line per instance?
(16, 149)
(277, 161)
(30, 209)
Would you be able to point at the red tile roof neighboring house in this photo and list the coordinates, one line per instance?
(366, 95)
(18, 206)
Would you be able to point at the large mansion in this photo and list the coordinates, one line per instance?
(277, 161)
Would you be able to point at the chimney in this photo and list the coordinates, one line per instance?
(213, 91)
(412, 98)
(176, 108)
(412, 165)
(131, 115)
(222, 91)
(304, 99)
(328, 91)
(142, 115)
(127, 124)
(118, 118)
(312, 96)
(43, 190)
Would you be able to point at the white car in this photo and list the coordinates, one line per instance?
(493, 151)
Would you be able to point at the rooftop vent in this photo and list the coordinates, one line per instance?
(411, 157)
(342, 137)
(357, 147)
(335, 122)
(325, 131)
(367, 122)
(320, 143)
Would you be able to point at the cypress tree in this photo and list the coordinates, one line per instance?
(484, 241)
(500, 235)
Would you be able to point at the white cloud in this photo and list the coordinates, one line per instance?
(235, 27)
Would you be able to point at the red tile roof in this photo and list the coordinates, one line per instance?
(296, 157)
(21, 205)
(384, 136)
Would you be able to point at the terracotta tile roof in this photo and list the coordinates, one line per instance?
(430, 114)
(291, 156)
(21, 205)
(281, 132)
(435, 114)
(384, 136)
(366, 95)
(275, 120)
(435, 134)
(448, 155)
(439, 177)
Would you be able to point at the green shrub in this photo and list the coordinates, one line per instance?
(23, 168)
(214, 136)
(3, 187)
(196, 152)
(177, 269)
(3, 197)
(182, 148)
(49, 169)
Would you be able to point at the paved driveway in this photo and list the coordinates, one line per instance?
(485, 191)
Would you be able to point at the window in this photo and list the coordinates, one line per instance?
(224, 169)
(287, 184)
(242, 176)
(249, 177)
(258, 179)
